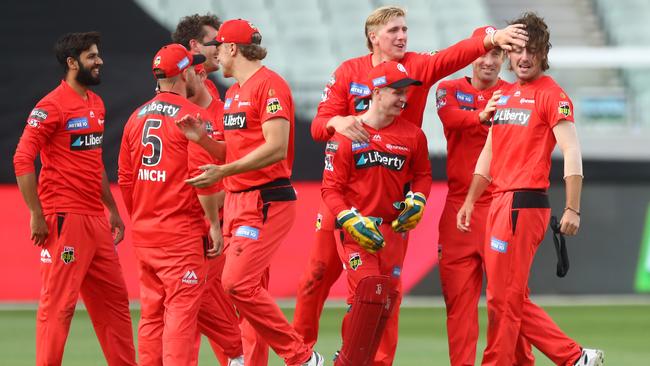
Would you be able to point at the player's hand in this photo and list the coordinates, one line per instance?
(512, 35)
(412, 209)
(490, 108)
(38, 228)
(211, 174)
(350, 127)
(117, 227)
(364, 230)
(193, 127)
(570, 223)
(216, 238)
(463, 217)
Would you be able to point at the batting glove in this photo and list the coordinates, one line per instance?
(412, 209)
(363, 229)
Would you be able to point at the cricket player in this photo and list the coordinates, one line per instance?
(344, 97)
(67, 209)
(260, 206)
(532, 116)
(169, 232)
(361, 183)
(465, 107)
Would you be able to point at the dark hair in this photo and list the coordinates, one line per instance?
(538, 36)
(73, 44)
(253, 51)
(191, 27)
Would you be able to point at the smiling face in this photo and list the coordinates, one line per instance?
(487, 67)
(390, 39)
(89, 65)
(525, 63)
(390, 101)
(210, 52)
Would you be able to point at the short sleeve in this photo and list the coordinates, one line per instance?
(275, 100)
(556, 107)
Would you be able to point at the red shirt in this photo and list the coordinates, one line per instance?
(459, 105)
(345, 93)
(371, 176)
(212, 88)
(67, 131)
(155, 160)
(264, 96)
(522, 135)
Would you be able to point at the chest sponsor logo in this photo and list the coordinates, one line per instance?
(36, 117)
(160, 108)
(397, 147)
(67, 256)
(227, 103)
(503, 100)
(512, 116)
(90, 141)
(359, 145)
(361, 104)
(372, 158)
(332, 146)
(329, 162)
(79, 123)
(526, 101)
(273, 105)
(248, 232)
(243, 104)
(464, 97)
(498, 245)
(234, 121)
(359, 89)
(564, 109)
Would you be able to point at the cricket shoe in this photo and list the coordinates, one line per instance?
(315, 360)
(239, 361)
(591, 357)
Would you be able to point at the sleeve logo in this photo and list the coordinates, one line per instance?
(273, 105)
(36, 117)
(329, 162)
(564, 109)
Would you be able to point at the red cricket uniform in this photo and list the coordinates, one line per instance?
(461, 254)
(78, 255)
(259, 212)
(522, 142)
(345, 95)
(371, 177)
(169, 231)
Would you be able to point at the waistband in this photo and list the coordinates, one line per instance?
(530, 199)
(274, 191)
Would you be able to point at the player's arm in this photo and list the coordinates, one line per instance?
(567, 140)
(195, 129)
(125, 171)
(480, 181)
(211, 204)
(332, 115)
(114, 218)
(41, 125)
(455, 118)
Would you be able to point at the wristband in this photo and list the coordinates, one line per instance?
(572, 209)
(492, 38)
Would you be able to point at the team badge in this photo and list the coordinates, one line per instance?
(273, 105)
(156, 62)
(329, 162)
(67, 256)
(355, 261)
(564, 109)
(319, 222)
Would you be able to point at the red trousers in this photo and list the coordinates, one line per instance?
(388, 261)
(255, 227)
(323, 269)
(516, 226)
(461, 274)
(79, 257)
(172, 281)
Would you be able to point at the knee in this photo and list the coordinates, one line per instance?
(237, 289)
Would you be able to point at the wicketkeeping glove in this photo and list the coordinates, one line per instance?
(412, 209)
(364, 229)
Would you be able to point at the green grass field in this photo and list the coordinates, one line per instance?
(622, 331)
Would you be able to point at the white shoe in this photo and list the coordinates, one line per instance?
(591, 357)
(239, 361)
(315, 360)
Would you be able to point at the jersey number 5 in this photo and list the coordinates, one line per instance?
(150, 139)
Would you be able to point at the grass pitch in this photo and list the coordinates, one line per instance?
(622, 331)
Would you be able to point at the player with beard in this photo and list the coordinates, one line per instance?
(532, 116)
(67, 213)
(170, 237)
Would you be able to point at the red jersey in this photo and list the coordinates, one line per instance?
(264, 96)
(459, 105)
(522, 135)
(346, 92)
(155, 160)
(212, 88)
(371, 176)
(67, 130)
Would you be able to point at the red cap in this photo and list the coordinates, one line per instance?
(390, 74)
(483, 31)
(238, 31)
(172, 59)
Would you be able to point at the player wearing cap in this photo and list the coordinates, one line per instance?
(531, 117)
(169, 232)
(67, 212)
(344, 97)
(361, 183)
(465, 107)
(260, 201)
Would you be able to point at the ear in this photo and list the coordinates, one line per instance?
(72, 63)
(194, 46)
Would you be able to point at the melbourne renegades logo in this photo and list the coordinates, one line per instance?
(67, 256)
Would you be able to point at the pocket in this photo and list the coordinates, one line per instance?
(60, 220)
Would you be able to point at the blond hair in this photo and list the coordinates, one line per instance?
(381, 16)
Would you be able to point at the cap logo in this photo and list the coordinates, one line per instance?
(156, 62)
(401, 68)
(379, 81)
(183, 63)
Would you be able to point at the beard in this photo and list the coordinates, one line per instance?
(189, 91)
(85, 76)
